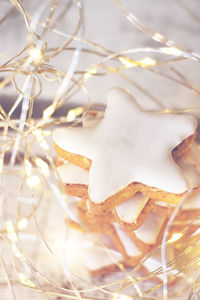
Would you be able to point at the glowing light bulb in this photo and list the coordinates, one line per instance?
(158, 37)
(167, 111)
(39, 136)
(9, 226)
(128, 62)
(172, 51)
(73, 113)
(11, 231)
(144, 63)
(175, 237)
(47, 113)
(147, 62)
(22, 224)
(25, 281)
(91, 72)
(40, 163)
(36, 55)
(33, 181)
(46, 132)
(44, 145)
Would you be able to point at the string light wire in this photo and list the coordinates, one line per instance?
(32, 175)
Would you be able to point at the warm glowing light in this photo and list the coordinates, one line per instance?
(40, 163)
(158, 37)
(47, 113)
(9, 226)
(128, 62)
(175, 237)
(39, 136)
(91, 72)
(188, 250)
(36, 55)
(22, 224)
(11, 231)
(28, 168)
(44, 145)
(144, 63)
(24, 280)
(172, 51)
(167, 111)
(73, 113)
(121, 297)
(33, 181)
(46, 132)
(147, 62)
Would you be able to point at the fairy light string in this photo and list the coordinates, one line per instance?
(34, 172)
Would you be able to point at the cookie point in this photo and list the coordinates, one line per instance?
(118, 93)
(57, 135)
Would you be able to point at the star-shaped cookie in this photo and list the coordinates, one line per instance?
(130, 150)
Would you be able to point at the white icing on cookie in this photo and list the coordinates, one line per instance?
(129, 210)
(129, 145)
(193, 178)
(149, 230)
(126, 241)
(70, 173)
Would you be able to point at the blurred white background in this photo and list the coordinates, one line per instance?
(105, 25)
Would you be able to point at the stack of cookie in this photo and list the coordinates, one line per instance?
(127, 174)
